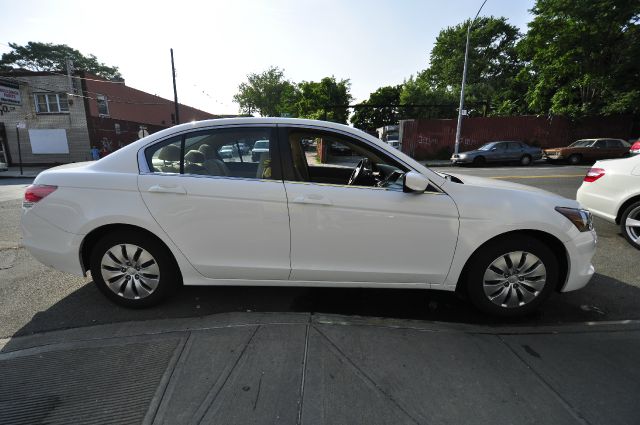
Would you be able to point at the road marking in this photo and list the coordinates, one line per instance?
(551, 176)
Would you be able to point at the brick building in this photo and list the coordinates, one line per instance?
(61, 118)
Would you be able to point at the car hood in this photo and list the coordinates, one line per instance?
(473, 152)
(499, 184)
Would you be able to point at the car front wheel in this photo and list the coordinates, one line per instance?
(133, 270)
(630, 224)
(512, 276)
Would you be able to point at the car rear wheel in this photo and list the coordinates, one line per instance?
(133, 269)
(574, 159)
(511, 276)
(630, 224)
(525, 160)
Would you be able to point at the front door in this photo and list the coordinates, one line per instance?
(366, 231)
(227, 214)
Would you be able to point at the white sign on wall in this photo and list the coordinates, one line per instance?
(10, 94)
(48, 141)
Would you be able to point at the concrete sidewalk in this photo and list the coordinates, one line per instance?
(259, 368)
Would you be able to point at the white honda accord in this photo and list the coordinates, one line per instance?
(170, 209)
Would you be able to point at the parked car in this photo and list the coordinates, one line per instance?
(499, 152)
(229, 151)
(635, 148)
(611, 190)
(394, 143)
(141, 232)
(260, 147)
(588, 150)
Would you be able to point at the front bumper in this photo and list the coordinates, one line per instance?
(554, 156)
(51, 245)
(580, 251)
(461, 160)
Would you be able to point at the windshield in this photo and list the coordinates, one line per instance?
(226, 148)
(487, 146)
(261, 144)
(581, 143)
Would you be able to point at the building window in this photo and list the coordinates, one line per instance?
(51, 103)
(103, 106)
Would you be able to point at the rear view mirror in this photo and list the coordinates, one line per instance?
(415, 182)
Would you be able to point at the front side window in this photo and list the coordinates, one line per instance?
(323, 157)
(103, 105)
(51, 103)
(243, 153)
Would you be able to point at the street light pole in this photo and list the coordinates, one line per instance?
(464, 81)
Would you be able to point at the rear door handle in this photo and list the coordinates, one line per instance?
(165, 188)
(312, 199)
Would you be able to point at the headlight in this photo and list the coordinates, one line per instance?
(582, 219)
(463, 155)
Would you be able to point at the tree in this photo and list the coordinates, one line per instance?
(493, 66)
(583, 57)
(326, 99)
(35, 56)
(268, 93)
(370, 118)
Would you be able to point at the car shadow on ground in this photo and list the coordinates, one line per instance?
(603, 299)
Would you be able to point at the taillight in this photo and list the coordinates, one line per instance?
(35, 193)
(594, 174)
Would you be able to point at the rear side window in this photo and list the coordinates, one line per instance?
(237, 152)
(165, 157)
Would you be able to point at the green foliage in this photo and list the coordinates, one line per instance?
(493, 66)
(370, 118)
(583, 57)
(420, 91)
(271, 95)
(325, 100)
(268, 93)
(35, 56)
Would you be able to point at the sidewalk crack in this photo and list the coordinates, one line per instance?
(365, 377)
(565, 403)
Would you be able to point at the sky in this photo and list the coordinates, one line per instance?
(217, 43)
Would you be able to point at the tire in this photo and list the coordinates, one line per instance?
(513, 294)
(479, 161)
(156, 278)
(525, 160)
(574, 159)
(631, 233)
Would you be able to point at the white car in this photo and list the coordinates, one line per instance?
(611, 190)
(289, 220)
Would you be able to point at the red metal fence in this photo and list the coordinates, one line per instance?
(431, 139)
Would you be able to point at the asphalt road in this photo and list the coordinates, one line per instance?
(34, 298)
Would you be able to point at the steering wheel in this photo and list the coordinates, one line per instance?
(363, 171)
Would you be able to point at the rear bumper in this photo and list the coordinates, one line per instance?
(580, 250)
(51, 245)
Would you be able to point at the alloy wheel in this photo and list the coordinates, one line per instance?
(130, 271)
(632, 225)
(514, 279)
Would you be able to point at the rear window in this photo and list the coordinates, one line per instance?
(261, 144)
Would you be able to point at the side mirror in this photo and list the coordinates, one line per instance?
(414, 182)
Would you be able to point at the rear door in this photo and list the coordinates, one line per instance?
(227, 215)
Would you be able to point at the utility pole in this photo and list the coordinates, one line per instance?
(175, 90)
(464, 81)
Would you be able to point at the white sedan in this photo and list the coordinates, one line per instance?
(168, 209)
(611, 190)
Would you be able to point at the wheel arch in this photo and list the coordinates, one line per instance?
(548, 239)
(96, 234)
(624, 206)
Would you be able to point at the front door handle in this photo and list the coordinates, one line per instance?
(312, 199)
(165, 188)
